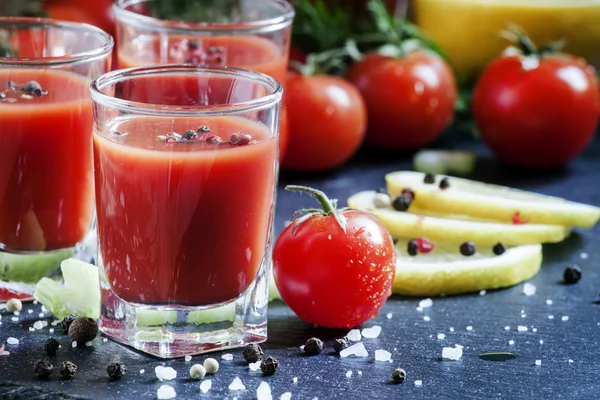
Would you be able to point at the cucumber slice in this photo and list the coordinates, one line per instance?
(30, 268)
(80, 294)
(220, 314)
(444, 162)
(149, 318)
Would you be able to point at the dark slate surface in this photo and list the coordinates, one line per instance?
(412, 341)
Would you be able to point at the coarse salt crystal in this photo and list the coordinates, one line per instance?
(142, 371)
(426, 318)
(418, 383)
(88, 344)
(523, 315)
(450, 353)
(383, 356)
(538, 362)
(41, 315)
(372, 332)
(419, 309)
(30, 311)
(571, 361)
(286, 396)
(451, 329)
(541, 342)
(354, 335)
(105, 340)
(507, 328)
(359, 372)
(165, 373)
(469, 328)
(482, 292)
(188, 358)
(529, 289)
(255, 366)
(51, 330)
(511, 342)
(565, 318)
(522, 328)
(550, 316)
(12, 340)
(227, 357)
(295, 380)
(237, 384)
(389, 315)
(166, 392)
(31, 329)
(263, 392)
(441, 336)
(584, 256)
(348, 374)
(205, 386)
(73, 344)
(301, 348)
(38, 325)
(44, 309)
(14, 319)
(549, 302)
(6, 353)
(426, 303)
(534, 330)
(357, 350)
(55, 322)
(17, 313)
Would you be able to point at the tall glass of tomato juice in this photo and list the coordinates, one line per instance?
(46, 168)
(249, 34)
(185, 161)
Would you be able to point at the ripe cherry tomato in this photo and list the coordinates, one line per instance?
(410, 100)
(334, 276)
(327, 122)
(540, 111)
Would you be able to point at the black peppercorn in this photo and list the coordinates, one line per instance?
(33, 88)
(269, 365)
(444, 184)
(51, 346)
(398, 375)
(340, 344)
(67, 321)
(68, 369)
(116, 370)
(499, 249)
(253, 353)
(412, 248)
(240, 139)
(204, 129)
(402, 202)
(572, 274)
(409, 192)
(193, 44)
(190, 135)
(43, 368)
(467, 249)
(83, 330)
(429, 178)
(313, 346)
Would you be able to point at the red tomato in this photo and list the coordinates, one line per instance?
(539, 117)
(95, 12)
(410, 100)
(327, 122)
(331, 276)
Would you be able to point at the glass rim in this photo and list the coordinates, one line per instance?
(204, 29)
(114, 77)
(90, 55)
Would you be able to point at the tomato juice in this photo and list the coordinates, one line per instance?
(46, 176)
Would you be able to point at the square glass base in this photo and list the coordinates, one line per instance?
(177, 331)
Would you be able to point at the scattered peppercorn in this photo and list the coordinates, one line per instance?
(409, 192)
(116, 370)
(313, 346)
(43, 368)
(340, 344)
(13, 305)
(33, 88)
(240, 139)
(572, 274)
(253, 353)
(204, 129)
(211, 366)
(190, 135)
(429, 178)
(67, 321)
(499, 249)
(398, 375)
(467, 249)
(412, 248)
(269, 365)
(83, 330)
(51, 345)
(197, 372)
(193, 44)
(68, 369)
(214, 140)
(444, 184)
(402, 202)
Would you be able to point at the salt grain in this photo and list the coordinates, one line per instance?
(165, 373)
(550, 316)
(255, 366)
(188, 358)
(570, 361)
(166, 392)
(14, 319)
(142, 371)
(534, 330)
(357, 350)
(264, 391)
(469, 328)
(31, 329)
(73, 344)
(529, 289)
(348, 374)
(88, 344)
(237, 384)
(451, 329)
(507, 328)
(426, 318)
(286, 396)
(354, 335)
(105, 340)
(30, 311)
(359, 372)
(418, 383)
(383, 356)
(450, 353)
(511, 342)
(295, 380)
(44, 309)
(227, 357)
(584, 256)
(565, 318)
(482, 293)
(523, 315)
(372, 332)
(538, 362)
(51, 330)
(38, 325)
(205, 386)
(16, 313)
(389, 315)
(6, 353)
(12, 340)
(541, 342)
(41, 315)
(549, 302)
(441, 336)
(522, 328)
(426, 303)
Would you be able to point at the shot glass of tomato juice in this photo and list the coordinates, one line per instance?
(46, 169)
(253, 34)
(185, 161)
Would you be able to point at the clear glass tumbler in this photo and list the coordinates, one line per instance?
(185, 161)
(46, 169)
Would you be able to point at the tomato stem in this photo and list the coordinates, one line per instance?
(329, 205)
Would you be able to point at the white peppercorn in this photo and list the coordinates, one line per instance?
(211, 366)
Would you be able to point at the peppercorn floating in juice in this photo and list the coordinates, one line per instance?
(46, 179)
(183, 219)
